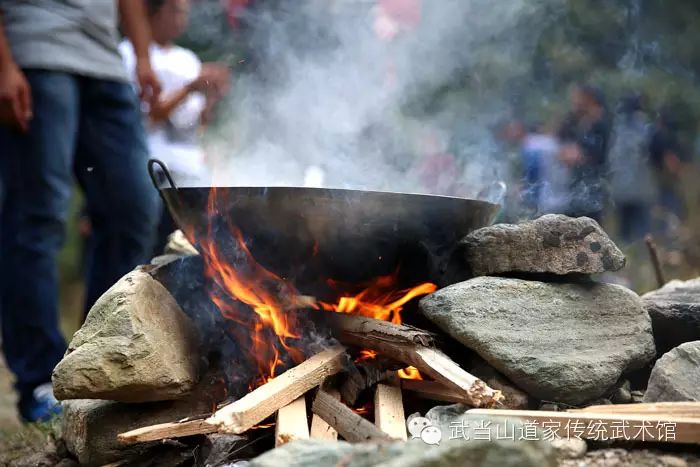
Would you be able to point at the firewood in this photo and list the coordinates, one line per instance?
(319, 428)
(167, 431)
(245, 413)
(292, 423)
(388, 410)
(605, 426)
(666, 409)
(431, 390)
(347, 423)
(412, 346)
(364, 375)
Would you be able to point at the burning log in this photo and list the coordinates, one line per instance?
(347, 423)
(292, 423)
(432, 390)
(412, 346)
(254, 407)
(364, 375)
(388, 410)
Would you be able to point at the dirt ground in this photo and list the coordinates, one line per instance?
(8, 412)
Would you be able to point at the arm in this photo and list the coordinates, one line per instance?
(133, 18)
(161, 109)
(15, 94)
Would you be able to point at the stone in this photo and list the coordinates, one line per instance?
(676, 375)
(637, 397)
(514, 397)
(621, 395)
(570, 448)
(90, 427)
(414, 453)
(675, 313)
(552, 244)
(136, 345)
(560, 342)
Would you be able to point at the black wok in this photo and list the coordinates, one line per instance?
(311, 234)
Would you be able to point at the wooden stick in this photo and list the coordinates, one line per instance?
(255, 406)
(602, 427)
(166, 431)
(364, 375)
(368, 328)
(664, 409)
(292, 423)
(409, 345)
(319, 428)
(431, 390)
(388, 410)
(655, 261)
(347, 423)
(259, 404)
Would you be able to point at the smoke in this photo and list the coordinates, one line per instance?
(349, 94)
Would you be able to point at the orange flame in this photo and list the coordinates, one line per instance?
(410, 372)
(242, 280)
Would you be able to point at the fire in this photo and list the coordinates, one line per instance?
(378, 299)
(266, 334)
(410, 372)
(366, 355)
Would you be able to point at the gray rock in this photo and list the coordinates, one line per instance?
(415, 453)
(136, 346)
(676, 375)
(552, 244)
(90, 427)
(513, 397)
(559, 342)
(675, 313)
(570, 448)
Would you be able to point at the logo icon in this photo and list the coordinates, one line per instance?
(421, 427)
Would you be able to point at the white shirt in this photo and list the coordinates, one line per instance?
(175, 140)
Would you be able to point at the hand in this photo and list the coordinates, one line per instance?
(15, 98)
(149, 85)
(213, 78)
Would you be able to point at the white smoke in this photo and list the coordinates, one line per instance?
(327, 93)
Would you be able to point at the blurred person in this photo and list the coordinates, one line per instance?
(66, 106)
(190, 92)
(548, 176)
(436, 169)
(584, 138)
(667, 161)
(632, 185)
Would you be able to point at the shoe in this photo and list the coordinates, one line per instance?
(40, 406)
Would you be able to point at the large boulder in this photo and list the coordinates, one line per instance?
(676, 375)
(560, 342)
(675, 313)
(90, 427)
(553, 244)
(414, 453)
(136, 346)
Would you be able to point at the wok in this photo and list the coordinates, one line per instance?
(311, 234)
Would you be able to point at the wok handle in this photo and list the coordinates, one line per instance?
(156, 173)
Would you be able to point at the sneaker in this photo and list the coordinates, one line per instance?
(41, 406)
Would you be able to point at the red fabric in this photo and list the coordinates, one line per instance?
(407, 12)
(233, 9)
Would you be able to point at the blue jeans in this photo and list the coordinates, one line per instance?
(92, 129)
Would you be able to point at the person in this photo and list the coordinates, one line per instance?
(584, 138)
(667, 160)
(190, 92)
(547, 178)
(66, 106)
(632, 186)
